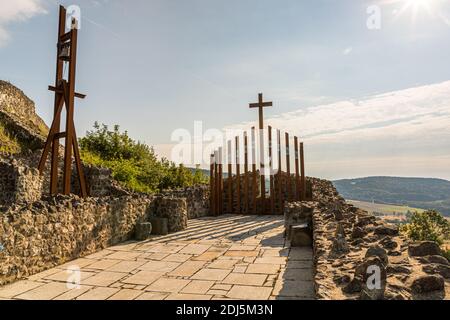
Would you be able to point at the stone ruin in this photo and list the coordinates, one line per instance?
(38, 231)
(351, 246)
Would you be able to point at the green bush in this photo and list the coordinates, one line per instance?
(134, 164)
(427, 226)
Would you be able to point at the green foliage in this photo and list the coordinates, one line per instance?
(427, 226)
(446, 254)
(8, 144)
(134, 164)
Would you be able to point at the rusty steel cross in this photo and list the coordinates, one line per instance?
(261, 105)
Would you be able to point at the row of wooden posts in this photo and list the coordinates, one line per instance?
(247, 200)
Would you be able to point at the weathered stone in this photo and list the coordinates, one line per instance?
(434, 259)
(160, 226)
(429, 283)
(425, 248)
(143, 231)
(358, 232)
(301, 236)
(386, 230)
(388, 243)
(339, 246)
(440, 269)
(398, 269)
(377, 251)
(354, 286)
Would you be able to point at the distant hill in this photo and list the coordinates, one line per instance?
(423, 193)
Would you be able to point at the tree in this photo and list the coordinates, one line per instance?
(134, 164)
(427, 226)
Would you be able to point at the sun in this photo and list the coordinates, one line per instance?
(416, 7)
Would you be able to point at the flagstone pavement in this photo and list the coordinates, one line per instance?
(228, 257)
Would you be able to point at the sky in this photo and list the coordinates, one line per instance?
(367, 98)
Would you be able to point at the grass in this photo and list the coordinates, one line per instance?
(8, 144)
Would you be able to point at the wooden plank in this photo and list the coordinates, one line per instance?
(255, 174)
(53, 131)
(79, 165)
(246, 181)
(220, 181)
(288, 169)
(230, 178)
(272, 193)
(303, 174)
(297, 171)
(211, 186)
(58, 79)
(60, 91)
(280, 175)
(216, 184)
(238, 178)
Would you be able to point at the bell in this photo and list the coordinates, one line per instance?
(64, 52)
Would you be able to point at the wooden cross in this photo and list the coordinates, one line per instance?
(261, 105)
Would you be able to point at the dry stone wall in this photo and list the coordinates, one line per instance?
(350, 245)
(38, 232)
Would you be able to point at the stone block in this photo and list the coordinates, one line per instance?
(301, 236)
(143, 231)
(160, 226)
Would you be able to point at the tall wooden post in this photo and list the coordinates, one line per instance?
(230, 178)
(212, 183)
(303, 181)
(246, 183)
(288, 169)
(280, 174)
(272, 193)
(216, 170)
(297, 171)
(238, 176)
(220, 181)
(255, 174)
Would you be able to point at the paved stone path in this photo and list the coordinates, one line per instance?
(229, 257)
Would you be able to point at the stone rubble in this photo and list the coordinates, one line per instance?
(350, 245)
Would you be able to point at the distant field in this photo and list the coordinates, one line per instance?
(389, 212)
(388, 209)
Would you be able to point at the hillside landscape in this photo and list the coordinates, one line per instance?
(423, 193)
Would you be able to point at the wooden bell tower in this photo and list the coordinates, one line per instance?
(65, 95)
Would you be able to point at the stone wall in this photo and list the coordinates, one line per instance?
(197, 200)
(349, 244)
(18, 183)
(44, 234)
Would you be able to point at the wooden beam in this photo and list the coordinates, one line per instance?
(212, 186)
(272, 193)
(255, 174)
(303, 181)
(230, 178)
(238, 177)
(288, 169)
(60, 91)
(246, 182)
(280, 174)
(297, 171)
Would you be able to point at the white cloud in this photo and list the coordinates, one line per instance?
(16, 11)
(388, 128)
(347, 51)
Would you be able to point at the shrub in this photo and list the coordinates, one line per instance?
(134, 164)
(427, 226)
